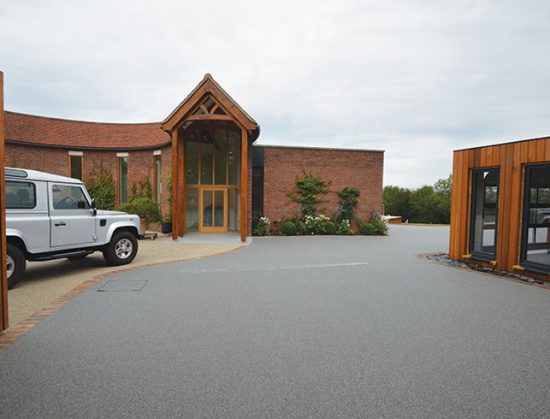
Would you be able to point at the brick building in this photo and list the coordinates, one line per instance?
(206, 145)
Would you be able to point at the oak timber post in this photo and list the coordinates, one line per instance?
(4, 323)
(181, 186)
(175, 158)
(244, 184)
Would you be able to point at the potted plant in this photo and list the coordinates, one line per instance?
(166, 226)
(147, 209)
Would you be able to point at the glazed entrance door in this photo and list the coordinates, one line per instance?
(213, 214)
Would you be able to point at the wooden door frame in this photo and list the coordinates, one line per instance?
(213, 229)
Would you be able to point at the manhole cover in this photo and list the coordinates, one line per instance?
(123, 285)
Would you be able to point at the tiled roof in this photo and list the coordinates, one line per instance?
(39, 130)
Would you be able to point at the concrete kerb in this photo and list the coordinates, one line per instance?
(13, 333)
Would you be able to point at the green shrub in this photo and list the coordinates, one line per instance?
(288, 229)
(367, 229)
(380, 226)
(102, 188)
(316, 225)
(262, 228)
(300, 227)
(145, 207)
(344, 228)
(375, 227)
(330, 228)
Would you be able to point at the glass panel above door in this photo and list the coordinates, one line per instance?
(234, 153)
(191, 160)
(484, 214)
(220, 157)
(207, 156)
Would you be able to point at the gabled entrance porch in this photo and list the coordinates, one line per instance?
(211, 140)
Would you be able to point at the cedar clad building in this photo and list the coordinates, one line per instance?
(500, 213)
(221, 179)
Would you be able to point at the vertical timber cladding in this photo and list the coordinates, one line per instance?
(510, 158)
(3, 276)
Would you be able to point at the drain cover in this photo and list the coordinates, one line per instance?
(122, 285)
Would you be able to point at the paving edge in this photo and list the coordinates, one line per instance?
(14, 333)
(427, 257)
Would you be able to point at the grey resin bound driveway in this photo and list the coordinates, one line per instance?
(291, 327)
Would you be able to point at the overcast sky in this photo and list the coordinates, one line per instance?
(417, 79)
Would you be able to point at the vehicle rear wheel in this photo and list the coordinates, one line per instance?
(16, 264)
(122, 249)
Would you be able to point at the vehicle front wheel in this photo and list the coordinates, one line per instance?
(16, 264)
(122, 249)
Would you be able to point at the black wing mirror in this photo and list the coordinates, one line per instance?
(94, 210)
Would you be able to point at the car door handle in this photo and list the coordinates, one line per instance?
(61, 224)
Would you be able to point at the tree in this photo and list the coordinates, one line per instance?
(397, 201)
(444, 186)
(428, 204)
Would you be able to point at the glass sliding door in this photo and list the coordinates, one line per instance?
(484, 214)
(535, 243)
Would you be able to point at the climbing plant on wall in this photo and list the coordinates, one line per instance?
(307, 192)
(349, 197)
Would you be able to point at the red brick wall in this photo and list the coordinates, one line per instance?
(37, 158)
(56, 160)
(353, 168)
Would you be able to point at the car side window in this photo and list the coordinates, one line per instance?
(20, 195)
(66, 197)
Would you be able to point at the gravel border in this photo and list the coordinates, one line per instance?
(443, 259)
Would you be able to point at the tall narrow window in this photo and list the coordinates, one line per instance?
(158, 178)
(123, 178)
(75, 164)
(535, 244)
(484, 214)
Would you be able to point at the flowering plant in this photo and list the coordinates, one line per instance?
(262, 228)
(344, 228)
(320, 224)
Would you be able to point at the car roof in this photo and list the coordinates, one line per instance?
(26, 174)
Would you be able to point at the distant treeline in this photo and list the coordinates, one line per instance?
(428, 204)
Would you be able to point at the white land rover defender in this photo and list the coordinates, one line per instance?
(52, 217)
